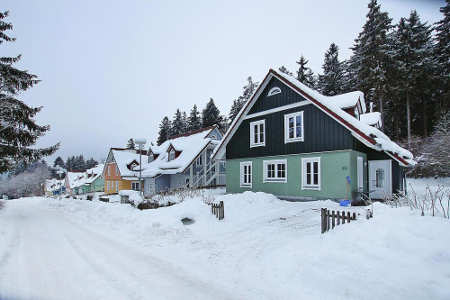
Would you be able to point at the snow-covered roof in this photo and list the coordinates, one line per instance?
(53, 184)
(123, 158)
(349, 100)
(368, 135)
(189, 146)
(371, 118)
(77, 179)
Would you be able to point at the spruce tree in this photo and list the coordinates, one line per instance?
(304, 74)
(184, 119)
(367, 67)
(164, 131)
(442, 54)
(238, 103)
(284, 70)
(194, 120)
(412, 56)
(332, 81)
(177, 124)
(91, 163)
(130, 144)
(59, 162)
(211, 115)
(18, 129)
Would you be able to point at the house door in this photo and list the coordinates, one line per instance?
(380, 179)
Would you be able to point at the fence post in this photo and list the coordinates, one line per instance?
(343, 217)
(328, 220)
(354, 216)
(338, 218)
(221, 211)
(322, 220)
(333, 219)
(348, 216)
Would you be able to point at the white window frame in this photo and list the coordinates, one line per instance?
(276, 179)
(311, 186)
(274, 91)
(286, 128)
(135, 185)
(170, 153)
(257, 143)
(249, 175)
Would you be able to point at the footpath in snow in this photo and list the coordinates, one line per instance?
(265, 248)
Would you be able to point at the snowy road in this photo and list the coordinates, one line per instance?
(45, 256)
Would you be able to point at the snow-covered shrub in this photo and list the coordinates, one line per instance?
(434, 201)
(433, 153)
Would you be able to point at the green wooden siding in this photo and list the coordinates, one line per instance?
(97, 185)
(334, 166)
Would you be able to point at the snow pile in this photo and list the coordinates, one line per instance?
(349, 100)
(134, 197)
(371, 118)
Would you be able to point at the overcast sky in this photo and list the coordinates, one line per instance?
(112, 70)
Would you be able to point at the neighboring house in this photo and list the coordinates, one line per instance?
(78, 183)
(184, 161)
(293, 142)
(54, 187)
(119, 170)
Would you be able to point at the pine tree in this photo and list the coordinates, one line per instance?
(177, 124)
(367, 67)
(211, 115)
(284, 70)
(184, 119)
(130, 144)
(332, 81)
(18, 129)
(442, 54)
(91, 163)
(59, 162)
(238, 103)
(194, 120)
(412, 59)
(164, 131)
(304, 74)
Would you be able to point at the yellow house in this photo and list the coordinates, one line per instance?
(119, 170)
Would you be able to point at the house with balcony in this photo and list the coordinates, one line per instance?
(184, 161)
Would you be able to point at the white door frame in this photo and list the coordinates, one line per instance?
(381, 187)
(360, 173)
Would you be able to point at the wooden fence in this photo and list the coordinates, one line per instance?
(218, 210)
(331, 219)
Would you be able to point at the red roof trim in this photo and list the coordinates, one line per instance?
(369, 139)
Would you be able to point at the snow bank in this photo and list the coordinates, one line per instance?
(266, 248)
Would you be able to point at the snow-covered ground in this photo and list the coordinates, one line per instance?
(265, 248)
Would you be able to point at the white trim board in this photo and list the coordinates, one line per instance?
(278, 109)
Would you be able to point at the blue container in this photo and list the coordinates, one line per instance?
(344, 202)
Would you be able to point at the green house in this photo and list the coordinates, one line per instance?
(291, 141)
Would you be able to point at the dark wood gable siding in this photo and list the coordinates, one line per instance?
(287, 96)
(321, 132)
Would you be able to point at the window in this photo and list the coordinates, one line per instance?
(293, 127)
(275, 170)
(107, 170)
(135, 186)
(199, 161)
(379, 178)
(117, 170)
(311, 173)
(187, 182)
(171, 154)
(273, 91)
(257, 133)
(246, 174)
(117, 186)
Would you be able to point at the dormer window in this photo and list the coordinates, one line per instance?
(150, 156)
(273, 91)
(171, 154)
